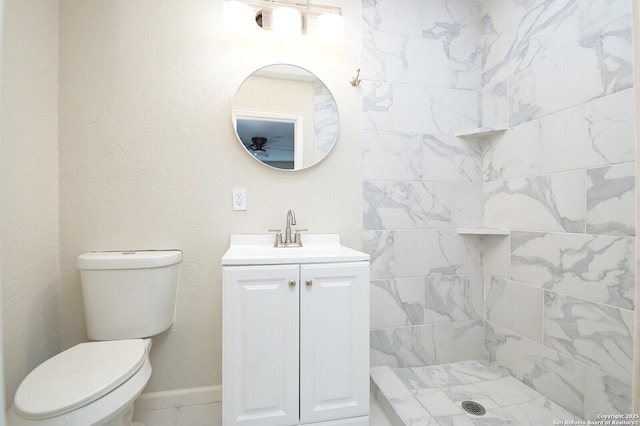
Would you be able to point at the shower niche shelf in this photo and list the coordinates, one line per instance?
(483, 231)
(481, 131)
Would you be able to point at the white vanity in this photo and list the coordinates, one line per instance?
(295, 333)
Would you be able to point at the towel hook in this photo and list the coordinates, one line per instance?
(355, 81)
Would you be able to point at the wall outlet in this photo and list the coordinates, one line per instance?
(239, 199)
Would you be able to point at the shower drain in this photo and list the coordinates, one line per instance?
(473, 407)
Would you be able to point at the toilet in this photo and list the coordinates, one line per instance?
(128, 297)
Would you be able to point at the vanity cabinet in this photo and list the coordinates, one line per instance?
(296, 344)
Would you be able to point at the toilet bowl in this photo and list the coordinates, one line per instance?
(128, 297)
(92, 383)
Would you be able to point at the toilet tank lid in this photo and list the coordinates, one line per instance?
(135, 259)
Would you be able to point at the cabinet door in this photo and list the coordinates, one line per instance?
(334, 341)
(260, 345)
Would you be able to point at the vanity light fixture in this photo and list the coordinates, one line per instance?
(331, 29)
(238, 18)
(287, 23)
(288, 19)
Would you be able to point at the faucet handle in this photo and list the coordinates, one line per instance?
(278, 232)
(296, 238)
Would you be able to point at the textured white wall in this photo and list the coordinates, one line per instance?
(149, 157)
(2, 403)
(29, 187)
(636, 348)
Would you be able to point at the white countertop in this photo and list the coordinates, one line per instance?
(316, 248)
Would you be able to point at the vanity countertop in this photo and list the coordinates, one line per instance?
(316, 248)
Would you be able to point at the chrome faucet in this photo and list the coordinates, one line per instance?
(288, 241)
(291, 220)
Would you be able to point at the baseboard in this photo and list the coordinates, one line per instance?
(178, 398)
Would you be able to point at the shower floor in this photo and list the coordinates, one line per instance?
(432, 396)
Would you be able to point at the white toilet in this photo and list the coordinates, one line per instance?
(128, 297)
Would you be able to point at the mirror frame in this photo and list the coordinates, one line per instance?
(294, 117)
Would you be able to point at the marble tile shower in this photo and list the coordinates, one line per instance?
(422, 73)
(432, 396)
(553, 302)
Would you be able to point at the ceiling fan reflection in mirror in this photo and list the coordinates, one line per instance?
(260, 147)
(257, 146)
(272, 141)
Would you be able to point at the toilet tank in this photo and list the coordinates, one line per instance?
(129, 294)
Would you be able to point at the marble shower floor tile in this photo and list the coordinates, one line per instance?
(432, 395)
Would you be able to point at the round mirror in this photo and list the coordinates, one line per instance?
(285, 117)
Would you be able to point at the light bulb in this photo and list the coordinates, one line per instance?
(287, 23)
(239, 19)
(331, 29)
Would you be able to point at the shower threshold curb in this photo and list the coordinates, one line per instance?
(397, 402)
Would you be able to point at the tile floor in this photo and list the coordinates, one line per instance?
(426, 396)
(188, 415)
(422, 396)
(211, 415)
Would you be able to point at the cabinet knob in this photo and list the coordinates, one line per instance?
(292, 283)
(309, 283)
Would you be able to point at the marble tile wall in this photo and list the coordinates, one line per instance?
(543, 56)
(559, 292)
(422, 71)
(326, 120)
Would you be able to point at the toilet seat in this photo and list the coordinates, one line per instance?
(78, 376)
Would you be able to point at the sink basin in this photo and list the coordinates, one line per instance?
(286, 252)
(317, 248)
